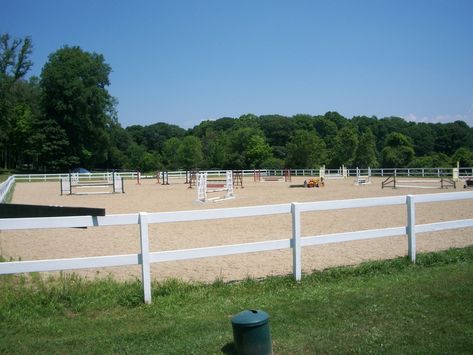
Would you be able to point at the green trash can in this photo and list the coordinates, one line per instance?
(251, 333)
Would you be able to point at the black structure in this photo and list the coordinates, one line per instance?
(12, 210)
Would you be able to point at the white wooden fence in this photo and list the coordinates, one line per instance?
(5, 188)
(296, 241)
(83, 176)
(181, 174)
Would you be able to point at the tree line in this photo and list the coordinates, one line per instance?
(66, 118)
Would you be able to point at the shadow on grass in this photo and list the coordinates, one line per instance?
(229, 349)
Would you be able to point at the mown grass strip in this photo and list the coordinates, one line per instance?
(377, 307)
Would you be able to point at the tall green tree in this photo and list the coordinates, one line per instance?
(170, 153)
(152, 137)
(214, 149)
(464, 156)
(141, 160)
(14, 56)
(52, 147)
(246, 121)
(398, 151)
(276, 129)
(223, 124)
(452, 136)
(74, 95)
(366, 154)
(119, 141)
(190, 153)
(301, 121)
(327, 129)
(17, 111)
(365, 122)
(344, 147)
(305, 150)
(257, 151)
(434, 160)
(423, 138)
(336, 118)
(388, 125)
(239, 139)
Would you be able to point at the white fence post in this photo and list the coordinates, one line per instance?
(145, 268)
(411, 228)
(296, 241)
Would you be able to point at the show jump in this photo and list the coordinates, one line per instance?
(74, 184)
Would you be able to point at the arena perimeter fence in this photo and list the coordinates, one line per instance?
(181, 174)
(184, 175)
(6, 187)
(295, 242)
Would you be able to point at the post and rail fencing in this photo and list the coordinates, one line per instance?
(181, 174)
(83, 176)
(295, 242)
(5, 188)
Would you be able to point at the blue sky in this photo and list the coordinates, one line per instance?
(183, 62)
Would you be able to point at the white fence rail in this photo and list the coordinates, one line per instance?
(5, 188)
(82, 176)
(181, 174)
(296, 241)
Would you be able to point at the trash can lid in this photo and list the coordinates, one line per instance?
(250, 318)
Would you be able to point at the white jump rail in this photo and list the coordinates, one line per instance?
(295, 242)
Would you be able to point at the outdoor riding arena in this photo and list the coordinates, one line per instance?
(149, 196)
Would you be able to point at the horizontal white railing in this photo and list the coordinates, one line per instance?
(295, 241)
(5, 188)
(82, 176)
(182, 174)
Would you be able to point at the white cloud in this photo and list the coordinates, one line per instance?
(440, 118)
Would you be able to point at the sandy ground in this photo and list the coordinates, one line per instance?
(151, 197)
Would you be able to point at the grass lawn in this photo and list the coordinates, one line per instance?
(3, 177)
(377, 307)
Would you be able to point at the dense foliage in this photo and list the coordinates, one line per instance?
(67, 118)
